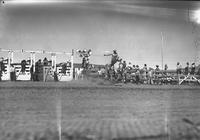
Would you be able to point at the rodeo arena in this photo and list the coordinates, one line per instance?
(99, 70)
(123, 81)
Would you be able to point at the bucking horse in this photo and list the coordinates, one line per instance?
(114, 59)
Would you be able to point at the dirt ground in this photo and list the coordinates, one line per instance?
(98, 109)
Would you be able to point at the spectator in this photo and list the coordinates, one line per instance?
(28, 62)
(45, 62)
(112, 73)
(99, 71)
(124, 65)
(178, 68)
(38, 66)
(64, 68)
(145, 67)
(198, 72)
(12, 73)
(150, 76)
(69, 64)
(129, 66)
(145, 72)
(193, 69)
(55, 76)
(134, 69)
(187, 68)
(103, 71)
(137, 74)
(32, 73)
(2, 67)
(157, 72)
(120, 70)
(23, 66)
(165, 69)
(121, 64)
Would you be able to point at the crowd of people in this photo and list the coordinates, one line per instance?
(118, 70)
(192, 70)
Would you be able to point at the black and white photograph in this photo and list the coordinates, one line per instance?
(99, 70)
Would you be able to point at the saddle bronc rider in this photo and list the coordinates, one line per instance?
(115, 57)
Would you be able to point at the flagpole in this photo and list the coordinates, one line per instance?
(162, 38)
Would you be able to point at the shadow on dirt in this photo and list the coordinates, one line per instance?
(53, 135)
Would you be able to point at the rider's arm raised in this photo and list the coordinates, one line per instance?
(108, 54)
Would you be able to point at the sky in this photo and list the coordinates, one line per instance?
(63, 27)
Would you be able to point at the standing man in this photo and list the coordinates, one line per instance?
(45, 62)
(38, 66)
(166, 67)
(133, 69)
(2, 67)
(12, 73)
(124, 65)
(120, 70)
(178, 68)
(129, 66)
(55, 76)
(193, 69)
(150, 76)
(137, 74)
(145, 72)
(40, 77)
(165, 70)
(23, 66)
(198, 71)
(187, 68)
(157, 72)
(64, 68)
(32, 73)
